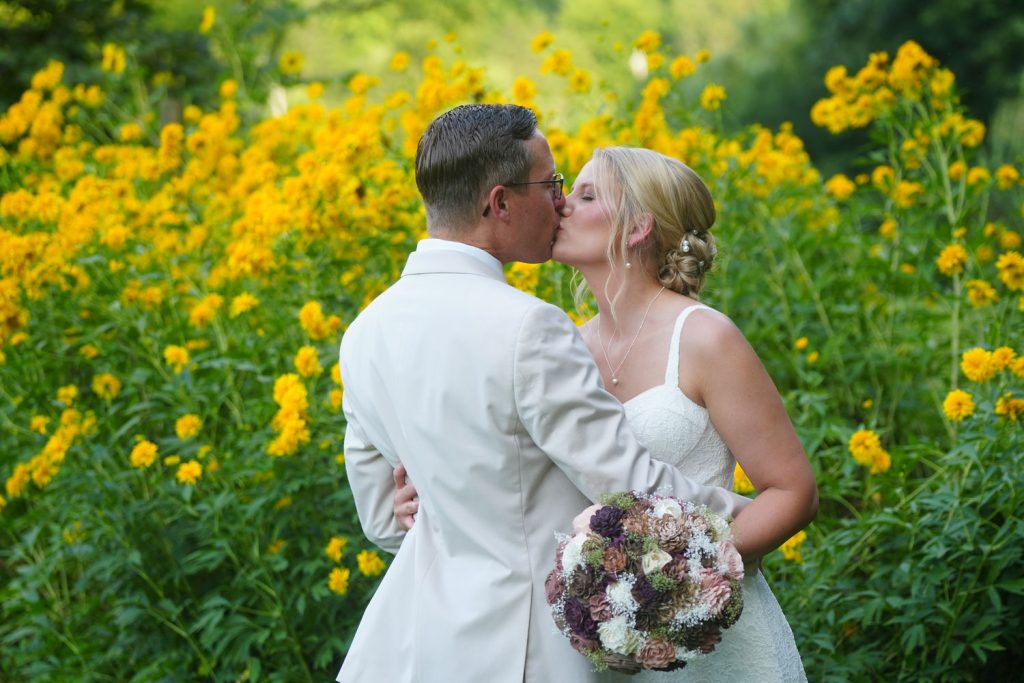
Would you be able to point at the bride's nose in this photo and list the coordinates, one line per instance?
(565, 210)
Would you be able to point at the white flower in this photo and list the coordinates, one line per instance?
(620, 596)
(655, 560)
(667, 506)
(572, 556)
(617, 636)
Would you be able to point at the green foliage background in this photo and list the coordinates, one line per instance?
(915, 573)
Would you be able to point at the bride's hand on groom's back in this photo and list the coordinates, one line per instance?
(406, 501)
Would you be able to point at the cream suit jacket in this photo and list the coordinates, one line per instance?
(492, 402)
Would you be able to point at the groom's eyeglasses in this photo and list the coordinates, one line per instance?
(557, 184)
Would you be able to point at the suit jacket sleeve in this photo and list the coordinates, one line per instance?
(373, 488)
(582, 427)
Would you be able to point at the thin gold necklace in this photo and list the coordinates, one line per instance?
(600, 341)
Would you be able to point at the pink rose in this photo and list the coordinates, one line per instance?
(554, 586)
(600, 609)
(657, 653)
(714, 590)
(730, 558)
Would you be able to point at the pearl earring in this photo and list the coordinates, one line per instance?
(628, 264)
(686, 246)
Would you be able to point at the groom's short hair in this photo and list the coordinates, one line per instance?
(464, 153)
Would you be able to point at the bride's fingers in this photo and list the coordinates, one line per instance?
(399, 475)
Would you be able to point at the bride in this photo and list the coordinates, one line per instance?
(637, 227)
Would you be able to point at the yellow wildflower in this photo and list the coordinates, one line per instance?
(579, 81)
(228, 89)
(243, 303)
(558, 62)
(208, 19)
(952, 260)
(840, 187)
(812, 357)
(276, 546)
(187, 426)
(88, 351)
(541, 41)
(523, 91)
(38, 423)
(958, 405)
(335, 548)
(702, 56)
(113, 59)
(978, 174)
(1003, 357)
(1006, 177)
(291, 62)
(143, 454)
(204, 311)
(648, 40)
(712, 95)
(1017, 367)
(370, 563)
(888, 228)
(67, 394)
(106, 386)
(189, 472)
(307, 362)
(1011, 270)
(977, 365)
(681, 67)
(866, 448)
(338, 580)
(172, 460)
(176, 356)
(1009, 407)
(981, 293)
(741, 482)
(400, 61)
(791, 548)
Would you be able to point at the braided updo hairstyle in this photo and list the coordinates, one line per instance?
(666, 192)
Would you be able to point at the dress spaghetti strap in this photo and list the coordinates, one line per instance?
(672, 367)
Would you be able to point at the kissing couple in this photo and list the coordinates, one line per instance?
(508, 420)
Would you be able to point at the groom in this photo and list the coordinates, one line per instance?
(490, 399)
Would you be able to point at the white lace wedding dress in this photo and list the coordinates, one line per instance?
(759, 647)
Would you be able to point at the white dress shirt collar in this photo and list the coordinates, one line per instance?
(434, 244)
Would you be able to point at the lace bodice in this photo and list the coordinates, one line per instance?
(675, 429)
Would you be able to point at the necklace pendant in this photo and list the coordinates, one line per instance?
(615, 381)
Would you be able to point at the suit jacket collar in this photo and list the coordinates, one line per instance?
(449, 261)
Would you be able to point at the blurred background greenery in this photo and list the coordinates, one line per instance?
(772, 53)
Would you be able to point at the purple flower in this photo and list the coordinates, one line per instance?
(607, 521)
(644, 593)
(577, 616)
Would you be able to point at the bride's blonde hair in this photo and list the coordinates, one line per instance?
(638, 186)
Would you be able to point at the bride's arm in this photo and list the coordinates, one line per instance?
(720, 367)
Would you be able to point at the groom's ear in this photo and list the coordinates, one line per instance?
(497, 203)
(640, 231)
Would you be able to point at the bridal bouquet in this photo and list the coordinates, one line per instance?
(650, 585)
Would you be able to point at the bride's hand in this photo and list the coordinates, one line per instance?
(581, 523)
(406, 501)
